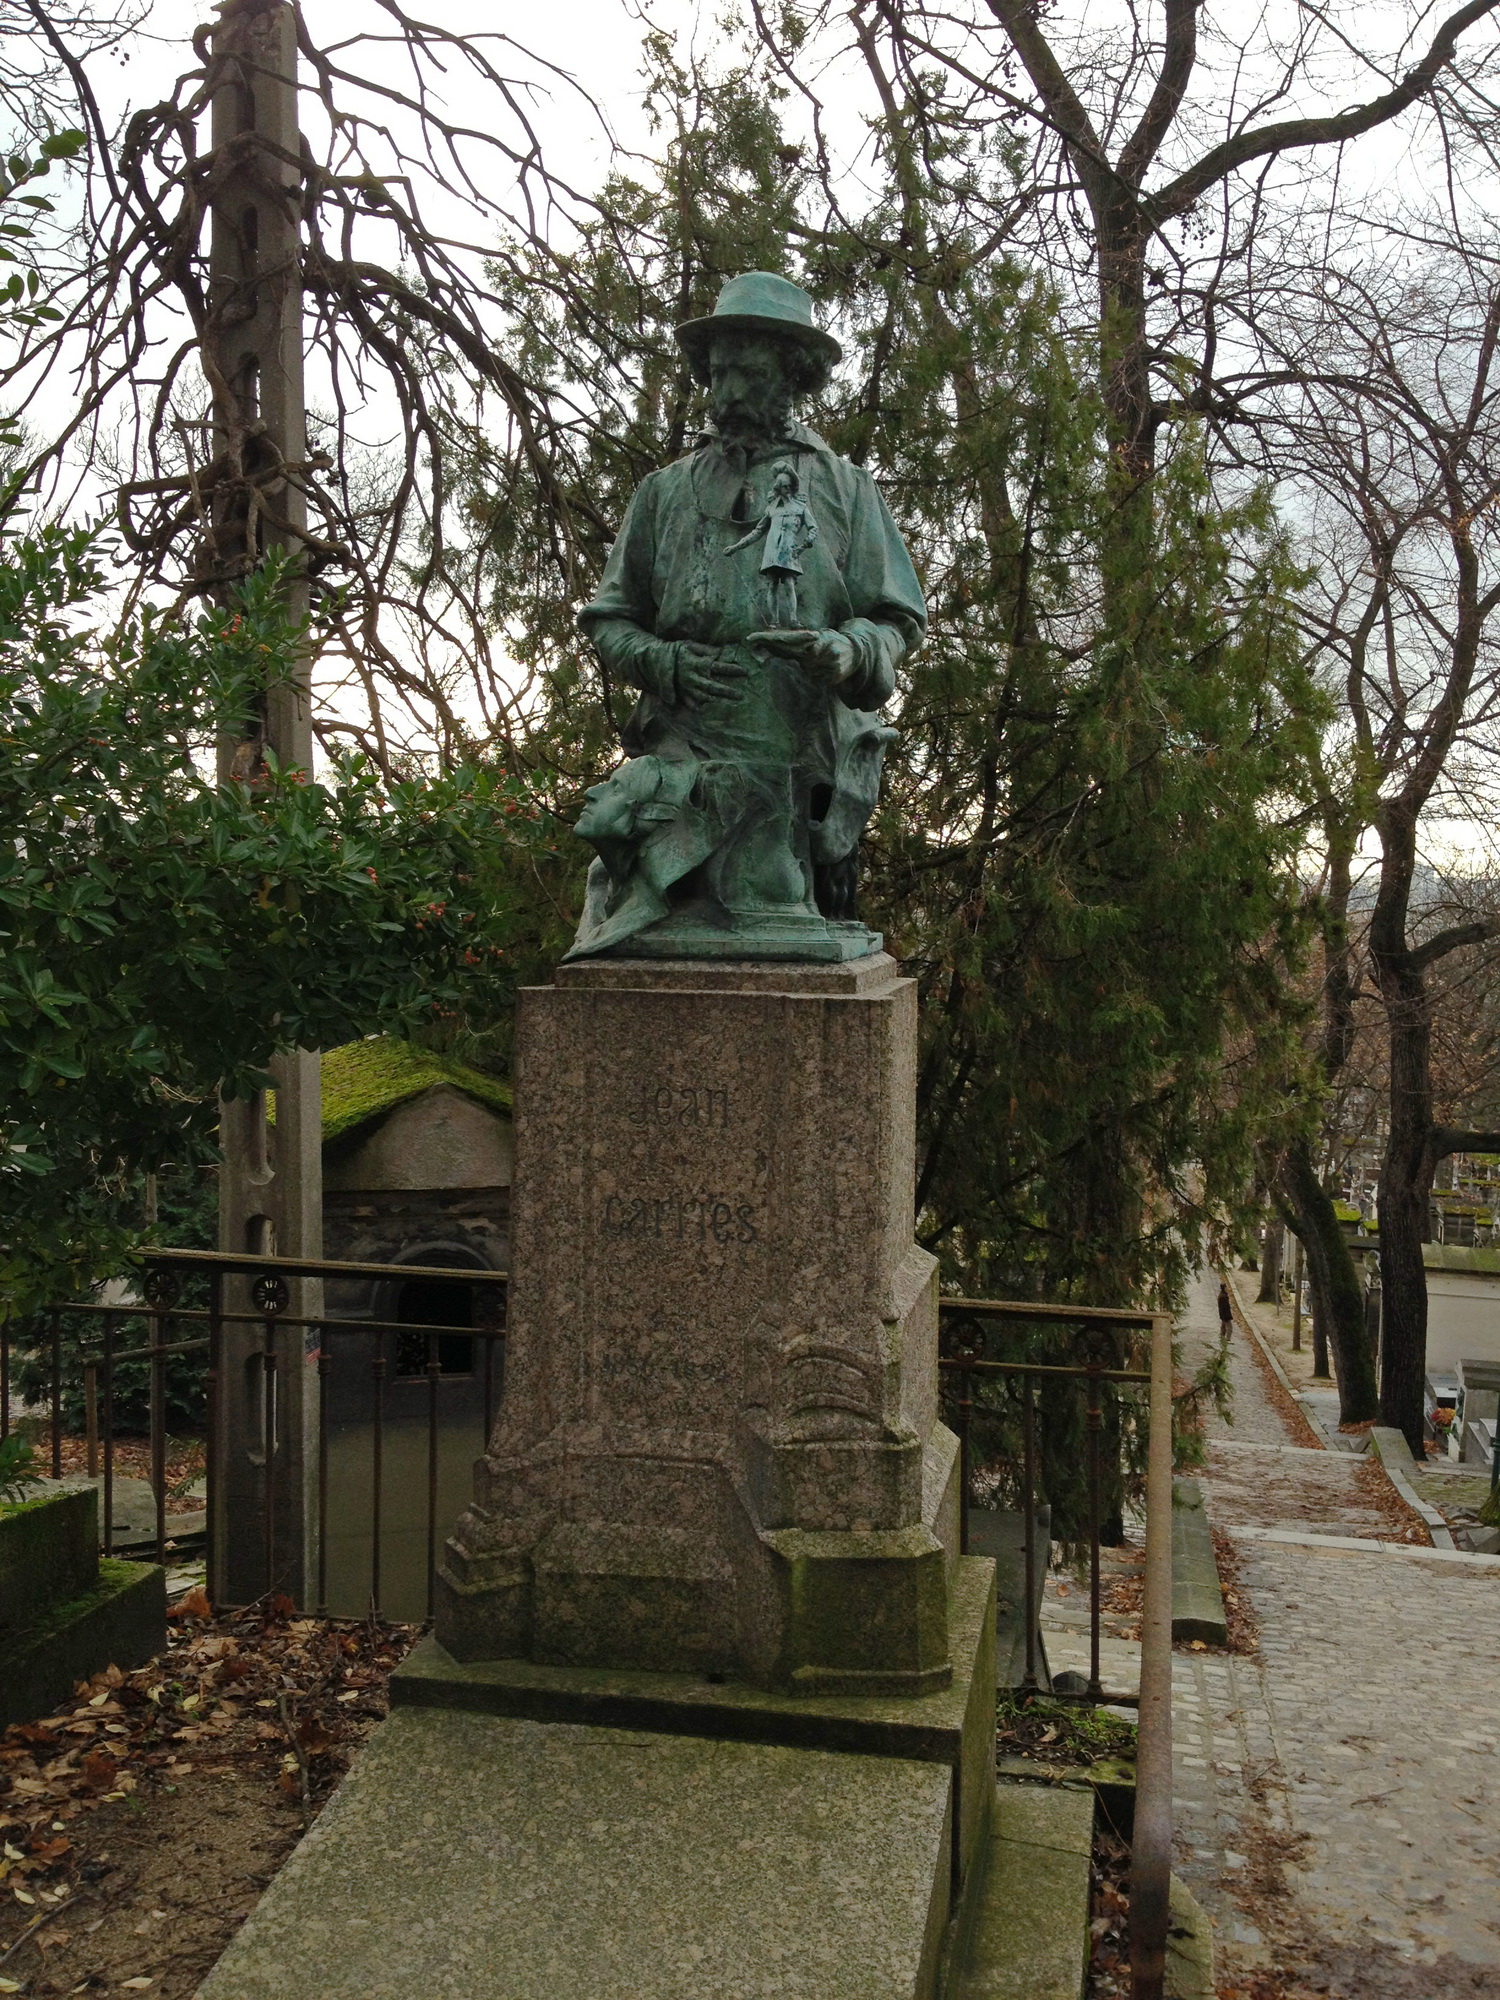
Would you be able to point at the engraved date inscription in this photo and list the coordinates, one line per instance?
(679, 1218)
(660, 1104)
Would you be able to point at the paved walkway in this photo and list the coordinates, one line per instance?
(1338, 1798)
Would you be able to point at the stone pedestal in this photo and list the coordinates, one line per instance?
(719, 1448)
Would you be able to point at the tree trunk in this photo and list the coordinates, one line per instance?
(1124, 358)
(1337, 1299)
(1410, 1160)
(1270, 1265)
(1405, 1185)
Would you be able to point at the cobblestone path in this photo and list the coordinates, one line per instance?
(1338, 1798)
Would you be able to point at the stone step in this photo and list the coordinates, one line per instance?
(1028, 1930)
(1030, 1926)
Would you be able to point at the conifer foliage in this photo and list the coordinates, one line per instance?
(1082, 851)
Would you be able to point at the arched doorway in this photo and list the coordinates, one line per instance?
(434, 1302)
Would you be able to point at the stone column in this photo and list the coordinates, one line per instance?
(270, 1189)
(719, 1448)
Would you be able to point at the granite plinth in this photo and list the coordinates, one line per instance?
(719, 1448)
(483, 1857)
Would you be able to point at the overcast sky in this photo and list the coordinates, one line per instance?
(598, 43)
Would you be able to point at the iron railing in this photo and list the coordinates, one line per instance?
(164, 1314)
(966, 1325)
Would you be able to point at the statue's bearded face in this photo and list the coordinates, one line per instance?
(750, 388)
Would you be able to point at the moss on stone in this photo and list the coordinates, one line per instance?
(363, 1081)
(49, 1551)
(119, 1620)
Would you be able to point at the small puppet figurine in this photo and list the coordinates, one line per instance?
(789, 528)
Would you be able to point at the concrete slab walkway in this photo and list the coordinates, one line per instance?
(1338, 1798)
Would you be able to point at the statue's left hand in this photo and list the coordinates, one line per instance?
(829, 654)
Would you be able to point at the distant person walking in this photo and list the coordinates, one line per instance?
(1226, 1311)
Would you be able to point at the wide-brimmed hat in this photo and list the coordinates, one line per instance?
(758, 302)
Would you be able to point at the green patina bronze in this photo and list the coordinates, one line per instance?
(759, 599)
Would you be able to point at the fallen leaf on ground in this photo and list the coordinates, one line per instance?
(98, 1770)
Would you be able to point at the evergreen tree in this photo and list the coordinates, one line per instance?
(1083, 849)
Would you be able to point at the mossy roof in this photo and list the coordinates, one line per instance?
(363, 1081)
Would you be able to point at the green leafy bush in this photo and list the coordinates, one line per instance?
(18, 1467)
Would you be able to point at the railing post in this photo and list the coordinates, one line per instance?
(325, 1369)
(57, 1395)
(91, 1416)
(377, 1473)
(1151, 1852)
(108, 1522)
(1028, 1528)
(434, 1370)
(161, 1291)
(159, 1327)
(965, 1413)
(1095, 1427)
(212, 1462)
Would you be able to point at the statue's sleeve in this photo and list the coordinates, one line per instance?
(620, 618)
(890, 614)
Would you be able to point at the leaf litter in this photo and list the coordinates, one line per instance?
(141, 1821)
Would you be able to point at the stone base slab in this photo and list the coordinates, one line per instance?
(1030, 1915)
(793, 938)
(483, 1857)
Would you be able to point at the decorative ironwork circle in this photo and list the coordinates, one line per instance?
(270, 1292)
(961, 1338)
(162, 1288)
(1099, 1348)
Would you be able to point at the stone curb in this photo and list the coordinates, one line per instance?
(1197, 1594)
(1364, 1545)
(1389, 1446)
(1190, 1948)
(1314, 1422)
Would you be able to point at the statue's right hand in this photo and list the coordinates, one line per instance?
(707, 673)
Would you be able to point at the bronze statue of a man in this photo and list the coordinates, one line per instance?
(760, 598)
